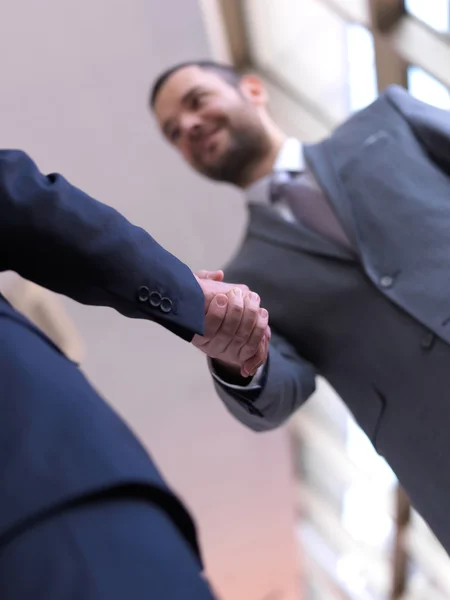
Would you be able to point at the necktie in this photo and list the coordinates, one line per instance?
(308, 204)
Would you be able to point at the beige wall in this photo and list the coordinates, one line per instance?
(75, 75)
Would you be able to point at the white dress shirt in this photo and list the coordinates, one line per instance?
(290, 159)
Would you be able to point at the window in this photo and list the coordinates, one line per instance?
(434, 13)
(425, 87)
(346, 502)
(362, 78)
(302, 46)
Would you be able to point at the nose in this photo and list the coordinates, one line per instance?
(191, 126)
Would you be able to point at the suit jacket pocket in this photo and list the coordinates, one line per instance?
(378, 424)
(368, 406)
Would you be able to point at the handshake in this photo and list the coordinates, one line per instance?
(237, 333)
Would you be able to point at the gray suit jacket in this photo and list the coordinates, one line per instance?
(377, 326)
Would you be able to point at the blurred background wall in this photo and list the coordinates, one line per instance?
(306, 512)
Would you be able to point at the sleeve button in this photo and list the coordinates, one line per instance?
(143, 294)
(155, 299)
(166, 305)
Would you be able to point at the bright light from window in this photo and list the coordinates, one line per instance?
(350, 570)
(369, 496)
(365, 507)
(425, 87)
(362, 78)
(434, 13)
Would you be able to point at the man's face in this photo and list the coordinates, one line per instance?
(216, 127)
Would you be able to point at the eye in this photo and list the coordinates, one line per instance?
(197, 101)
(174, 135)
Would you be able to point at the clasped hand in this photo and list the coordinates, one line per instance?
(236, 333)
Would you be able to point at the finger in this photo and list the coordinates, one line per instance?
(252, 364)
(214, 318)
(250, 367)
(213, 275)
(225, 287)
(230, 323)
(244, 288)
(259, 330)
(222, 287)
(211, 287)
(248, 322)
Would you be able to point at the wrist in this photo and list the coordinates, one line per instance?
(207, 298)
(230, 373)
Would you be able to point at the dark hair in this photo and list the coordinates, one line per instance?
(227, 73)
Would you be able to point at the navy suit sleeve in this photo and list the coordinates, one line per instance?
(57, 236)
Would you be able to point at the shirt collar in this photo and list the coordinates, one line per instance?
(290, 158)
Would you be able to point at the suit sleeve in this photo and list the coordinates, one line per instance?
(430, 124)
(286, 383)
(57, 236)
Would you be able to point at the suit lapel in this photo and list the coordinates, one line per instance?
(265, 223)
(394, 208)
(318, 160)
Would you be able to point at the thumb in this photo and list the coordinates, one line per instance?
(213, 275)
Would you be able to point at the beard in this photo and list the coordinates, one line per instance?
(246, 146)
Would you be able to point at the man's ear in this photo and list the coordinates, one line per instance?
(253, 89)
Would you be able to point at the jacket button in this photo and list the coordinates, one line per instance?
(155, 299)
(143, 294)
(166, 305)
(427, 340)
(387, 281)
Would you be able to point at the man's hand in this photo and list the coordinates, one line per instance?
(236, 328)
(212, 284)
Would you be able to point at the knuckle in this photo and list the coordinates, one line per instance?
(213, 317)
(222, 339)
(211, 330)
(200, 343)
(247, 324)
(258, 334)
(251, 345)
(231, 325)
(235, 306)
(215, 312)
(251, 312)
(228, 329)
(245, 330)
(254, 299)
(259, 353)
(261, 326)
(258, 356)
(247, 353)
(239, 339)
